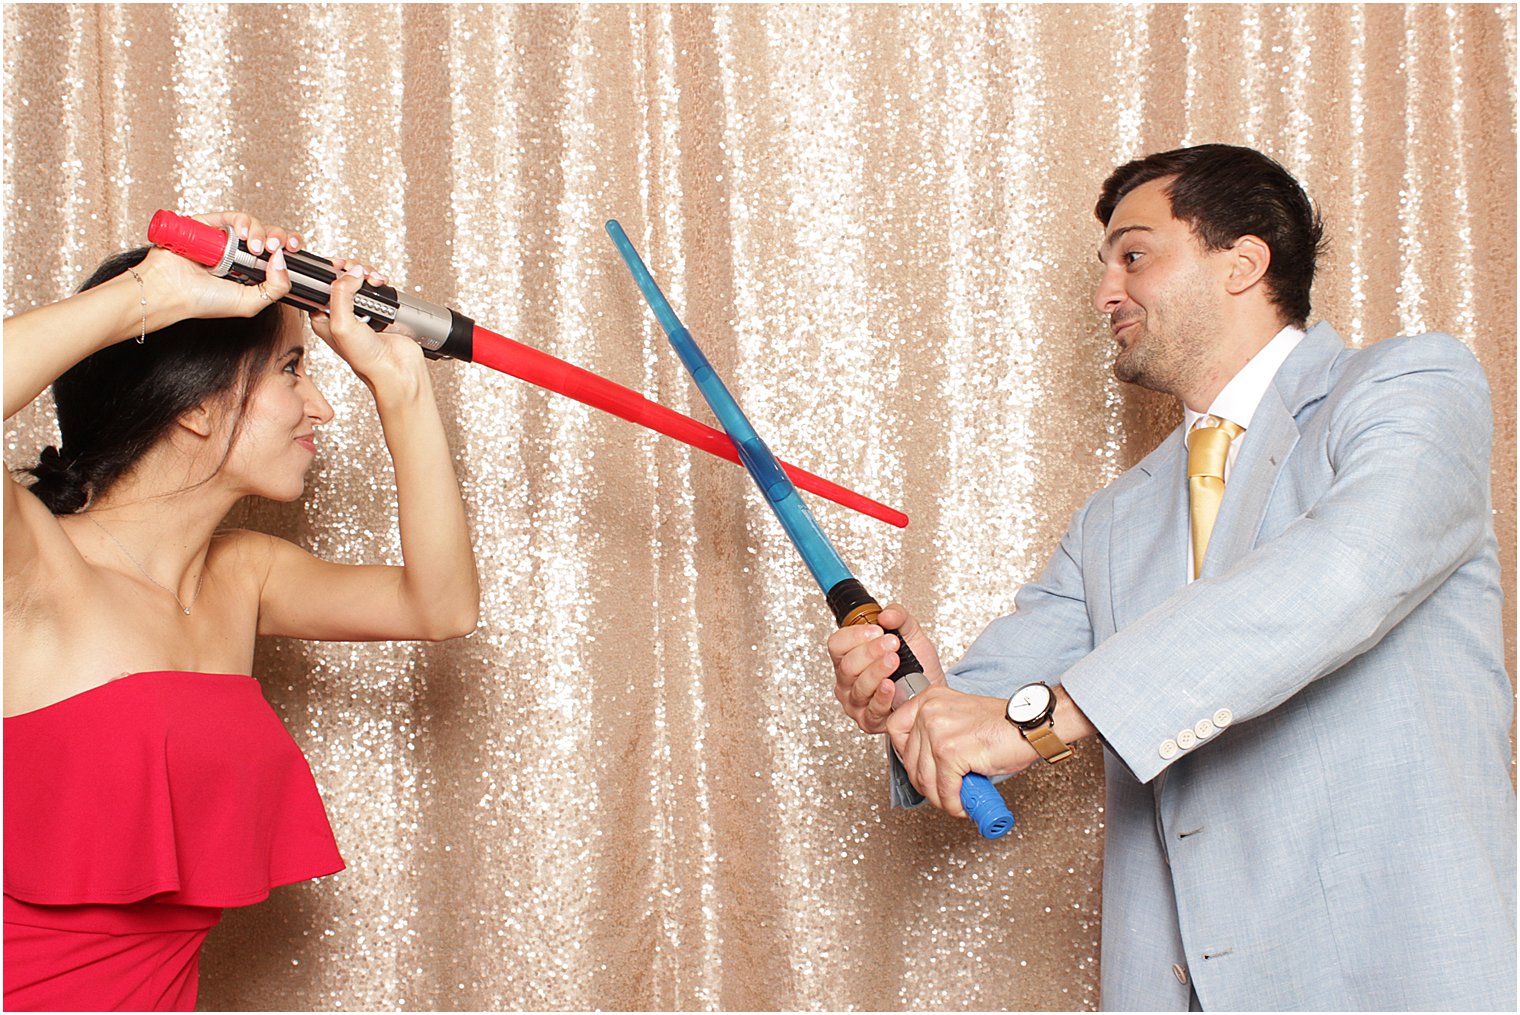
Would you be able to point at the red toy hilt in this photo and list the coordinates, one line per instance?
(439, 330)
(186, 237)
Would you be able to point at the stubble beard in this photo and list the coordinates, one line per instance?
(1130, 363)
(1149, 361)
(1172, 363)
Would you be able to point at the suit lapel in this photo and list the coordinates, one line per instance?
(1148, 539)
(1302, 379)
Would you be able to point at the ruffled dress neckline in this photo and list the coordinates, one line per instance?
(174, 785)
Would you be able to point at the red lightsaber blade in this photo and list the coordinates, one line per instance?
(445, 332)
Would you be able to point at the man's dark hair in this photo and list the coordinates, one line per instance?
(1223, 193)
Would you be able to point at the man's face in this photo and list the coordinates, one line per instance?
(1162, 292)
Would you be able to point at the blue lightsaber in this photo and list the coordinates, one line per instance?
(847, 598)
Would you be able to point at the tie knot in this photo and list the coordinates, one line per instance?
(1209, 446)
(1218, 423)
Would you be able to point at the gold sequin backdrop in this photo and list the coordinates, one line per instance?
(631, 787)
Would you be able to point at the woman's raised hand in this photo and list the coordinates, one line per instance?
(182, 288)
(371, 354)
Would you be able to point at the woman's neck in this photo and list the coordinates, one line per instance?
(162, 530)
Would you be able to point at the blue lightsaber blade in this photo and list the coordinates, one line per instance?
(848, 599)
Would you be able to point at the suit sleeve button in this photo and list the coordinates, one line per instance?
(1204, 729)
(1223, 718)
(1187, 740)
(1168, 749)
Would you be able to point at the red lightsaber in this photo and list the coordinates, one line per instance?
(445, 332)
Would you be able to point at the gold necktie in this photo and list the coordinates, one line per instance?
(1208, 447)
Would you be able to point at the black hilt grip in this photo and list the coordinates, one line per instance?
(852, 604)
(907, 662)
(311, 278)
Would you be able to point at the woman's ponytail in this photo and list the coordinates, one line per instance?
(60, 486)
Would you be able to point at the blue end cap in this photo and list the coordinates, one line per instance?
(985, 806)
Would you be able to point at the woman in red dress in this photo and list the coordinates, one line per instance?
(148, 785)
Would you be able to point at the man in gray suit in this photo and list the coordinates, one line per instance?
(1283, 624)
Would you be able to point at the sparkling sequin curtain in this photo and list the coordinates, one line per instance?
(631, 787)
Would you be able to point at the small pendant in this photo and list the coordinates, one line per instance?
(186, 609)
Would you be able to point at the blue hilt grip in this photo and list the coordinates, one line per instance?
(984, 805)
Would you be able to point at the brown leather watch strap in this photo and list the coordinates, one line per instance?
(1044, 740)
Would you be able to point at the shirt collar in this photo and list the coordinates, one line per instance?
(1240, 397)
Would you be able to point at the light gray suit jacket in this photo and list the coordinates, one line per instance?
(1341, 835)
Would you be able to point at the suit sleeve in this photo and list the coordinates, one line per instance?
(1407, 445)
(1048, 631)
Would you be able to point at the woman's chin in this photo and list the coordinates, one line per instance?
(283, 495)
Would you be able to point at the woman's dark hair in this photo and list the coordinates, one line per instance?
(1223, 193)
(115, 404)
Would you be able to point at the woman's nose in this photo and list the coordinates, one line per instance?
(316, 406)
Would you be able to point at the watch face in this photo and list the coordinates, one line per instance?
(1029, 703)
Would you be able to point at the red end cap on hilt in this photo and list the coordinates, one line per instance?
(186, 237)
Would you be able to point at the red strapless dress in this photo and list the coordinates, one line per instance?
(134, 813)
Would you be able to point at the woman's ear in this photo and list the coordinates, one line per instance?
(200, 420)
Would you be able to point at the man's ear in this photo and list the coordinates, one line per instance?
(1249, 258)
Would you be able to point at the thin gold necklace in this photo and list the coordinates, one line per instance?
(194, 596)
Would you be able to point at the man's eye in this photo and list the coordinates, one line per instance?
(1131, 256)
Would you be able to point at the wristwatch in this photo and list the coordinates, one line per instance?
(1032, 709)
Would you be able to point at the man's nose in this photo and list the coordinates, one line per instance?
(1110, 292)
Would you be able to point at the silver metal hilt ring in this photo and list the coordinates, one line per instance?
(228, 254)
(907, 687)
